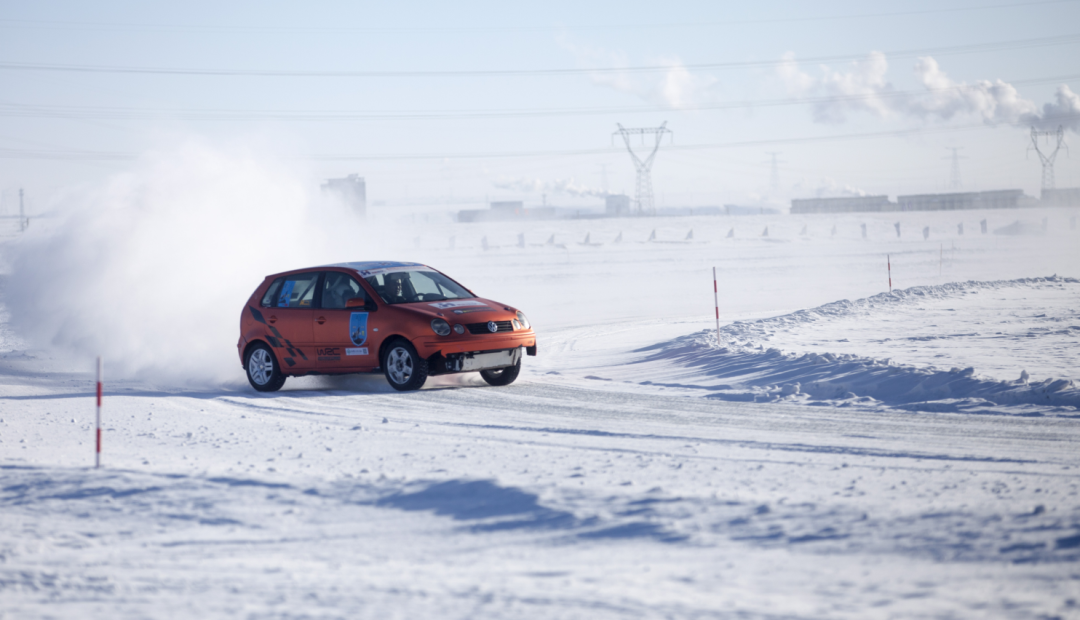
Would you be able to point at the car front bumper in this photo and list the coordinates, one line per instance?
(429, 346)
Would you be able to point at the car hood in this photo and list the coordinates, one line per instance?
(463, 310)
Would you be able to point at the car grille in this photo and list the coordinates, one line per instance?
(482, 328)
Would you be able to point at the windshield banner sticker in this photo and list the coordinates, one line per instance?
(367, 273)
(358, 328)
(443, 305)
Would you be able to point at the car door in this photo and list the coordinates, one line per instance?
(288, 307)
(342, 325)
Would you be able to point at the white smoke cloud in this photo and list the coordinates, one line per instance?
(559, 186)
(861, 88)
(864, 87)
(677, 88)
(825, 187)
(1064, 112)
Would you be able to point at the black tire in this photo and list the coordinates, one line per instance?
(502, 376)
(262, 369)
(405, 370)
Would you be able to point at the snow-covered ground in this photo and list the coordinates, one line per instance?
(842, 452)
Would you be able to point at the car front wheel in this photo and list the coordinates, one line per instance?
(405, 370)
(262, 369)
(502, 376)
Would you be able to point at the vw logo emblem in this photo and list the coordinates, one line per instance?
(492, 327)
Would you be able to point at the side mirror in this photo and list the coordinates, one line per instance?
(361, 303)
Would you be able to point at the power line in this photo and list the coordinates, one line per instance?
(475, 73)
(80, 155)
(22, 110)
(113, 26)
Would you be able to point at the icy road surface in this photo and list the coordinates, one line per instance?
(545, 499)
(841, 452)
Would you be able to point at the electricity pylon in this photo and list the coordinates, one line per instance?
(644, 197)
(774, 174)
(955, 181)
(1048, 159)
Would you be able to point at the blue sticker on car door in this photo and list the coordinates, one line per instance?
(286, 294)
(358, 328)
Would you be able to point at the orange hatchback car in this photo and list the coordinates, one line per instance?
(406, 319)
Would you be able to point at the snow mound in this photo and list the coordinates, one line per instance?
(743, 369)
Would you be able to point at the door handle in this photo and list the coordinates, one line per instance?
(321, 320)
(272, 319)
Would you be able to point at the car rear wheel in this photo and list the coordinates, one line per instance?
(502, 376)
(262, 369)
(404, 369)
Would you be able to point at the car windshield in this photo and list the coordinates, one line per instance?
(406, 287)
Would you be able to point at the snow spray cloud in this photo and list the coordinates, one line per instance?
(560, 186)
(152, 270)
(863, 87)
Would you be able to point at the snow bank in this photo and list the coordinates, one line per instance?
(754, 372)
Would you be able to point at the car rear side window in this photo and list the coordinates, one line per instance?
(270, 298)
(296, 291)
(338, 289)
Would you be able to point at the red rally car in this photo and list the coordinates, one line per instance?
(406, 319)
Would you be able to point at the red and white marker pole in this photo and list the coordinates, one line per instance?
(97, 453)
(888, 263)
(716, 300)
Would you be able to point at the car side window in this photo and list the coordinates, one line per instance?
(338, 289)
(270, 298)
(296, 291)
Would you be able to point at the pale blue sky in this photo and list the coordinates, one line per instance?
(725, 118)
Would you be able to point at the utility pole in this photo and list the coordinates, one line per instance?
(1048, 159)
(644, 196)
(955, 183)
(22, 213)
(603, 177)
(774, 176)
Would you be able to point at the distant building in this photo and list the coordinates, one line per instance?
(506, 210)
(847, 204)
(616, 205)
(352, 191)
(508, 207)
(1064, 197)
(1000, 199)
(741, 210)
(997, 199)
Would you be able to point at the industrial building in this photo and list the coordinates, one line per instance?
(617, 205)
(1064, 197)
(505, 211)
(847, 204)
(997, 199)
(352, 191)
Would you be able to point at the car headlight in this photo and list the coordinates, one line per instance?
(459, 329)
(440, 327)
(517, 325)
(524, 321)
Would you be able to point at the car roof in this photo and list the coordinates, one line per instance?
(376, 264)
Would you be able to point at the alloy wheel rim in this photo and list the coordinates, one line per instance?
(260, 366)
(399, 365)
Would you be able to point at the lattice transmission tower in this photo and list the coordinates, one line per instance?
(774, 173)
(644, 195)
(1047, 159)
(955, 182)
